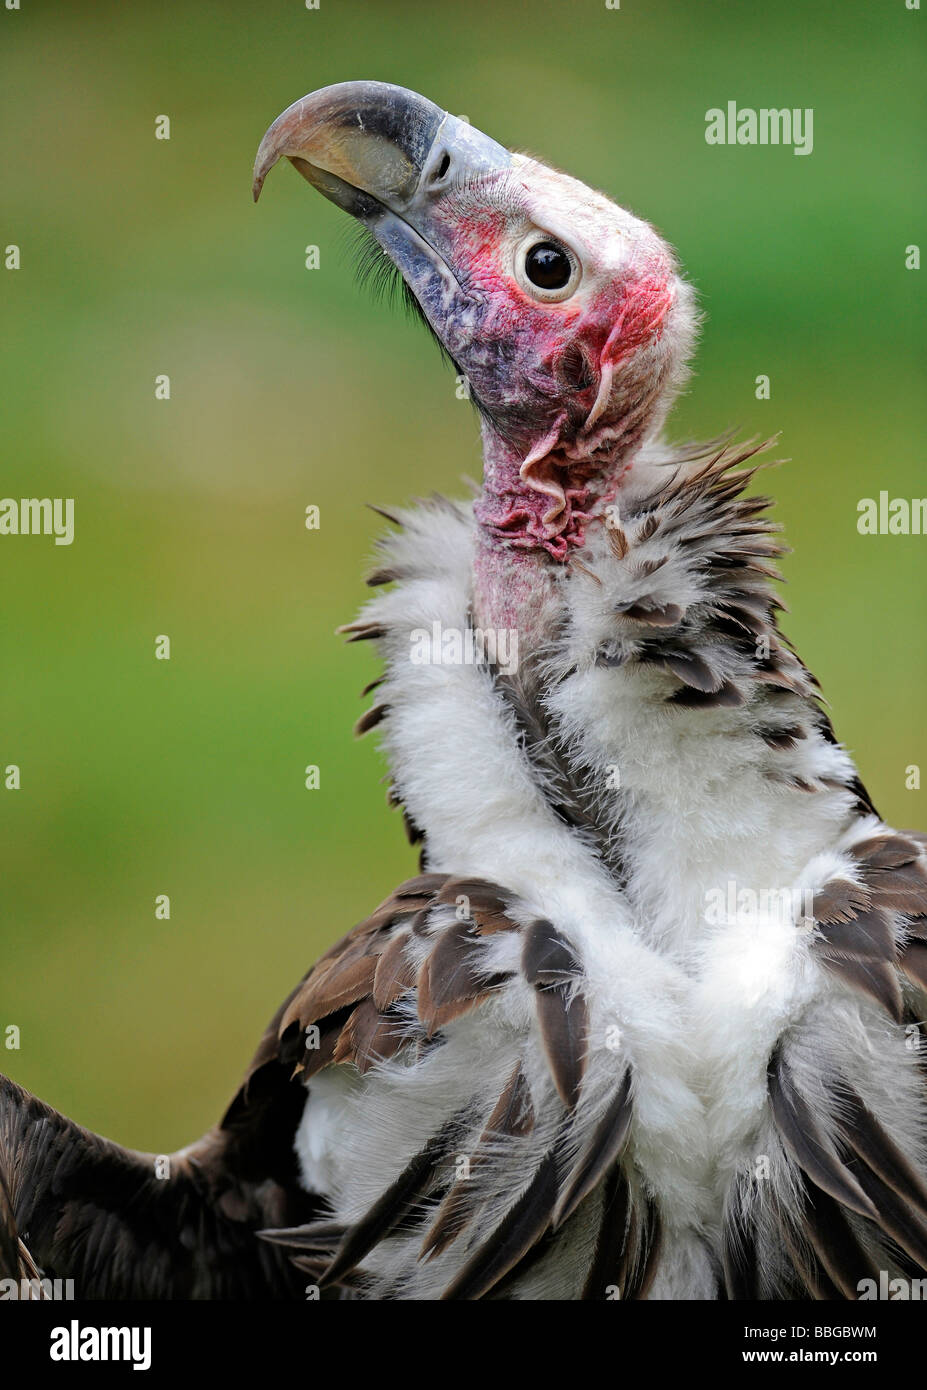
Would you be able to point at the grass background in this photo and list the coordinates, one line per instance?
(142, 257)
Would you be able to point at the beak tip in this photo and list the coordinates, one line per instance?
(262, 167)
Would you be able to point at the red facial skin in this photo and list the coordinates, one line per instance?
(566, 389)
(545, 497)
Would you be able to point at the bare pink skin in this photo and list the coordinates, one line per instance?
(512, 592)
(518, 514)
(568, 389)
(537, 503)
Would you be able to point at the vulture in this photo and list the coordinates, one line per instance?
(648, 1023)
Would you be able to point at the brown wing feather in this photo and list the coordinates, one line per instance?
(810, 1148)
(857, 936)
(450, 981)
(870, 1177)
(600, 1153)
(550, 965)
(98, 1214)
(512, 1115)
(521, 1227)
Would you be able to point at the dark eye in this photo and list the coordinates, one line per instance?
(548, 266)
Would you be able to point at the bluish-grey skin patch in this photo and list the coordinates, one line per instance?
(422, 246)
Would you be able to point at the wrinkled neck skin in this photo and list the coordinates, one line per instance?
(529, 527)
(514, 591)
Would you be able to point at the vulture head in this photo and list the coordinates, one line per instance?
(565, 313)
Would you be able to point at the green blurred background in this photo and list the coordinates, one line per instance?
(290, 387)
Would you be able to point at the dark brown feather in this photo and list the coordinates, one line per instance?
(803, 1138)
(313, 1059)
(613, 1249)
(876, 978)
(395, 973)
(867, 1138)
(600, 1153)
(363, 631)
(687, 666)
(840, 901)
(369, 1037)
(897, 1217)
(370, 719)
(342, 982)
(451, 981)
(385, 574)
(322, 1237)
(550, 965)
(511, 1116)
(914, 963)
(651, 613)
(727, 697)
(564, 1023)
(394, 1204)
(886, 851)
(866, 935)
(513, 1112)
(547, 956)
(834, 1242)
(387, 515)
(524, 1224)
(93, 1212)
(642, 1270)
(782, 739)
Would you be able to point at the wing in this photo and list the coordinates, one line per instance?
(130, 1225)
(452, 1125)
(838, 1199)
(465, 1150)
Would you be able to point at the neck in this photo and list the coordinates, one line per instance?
(656, 712)
(533, 513)
(514, 591)
(542, 500)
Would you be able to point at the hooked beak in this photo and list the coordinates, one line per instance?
(386, 156)
(362, 141)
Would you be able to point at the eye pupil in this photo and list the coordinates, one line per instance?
(548, 266)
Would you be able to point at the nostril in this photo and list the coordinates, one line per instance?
(443, 167)
(574, 368)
